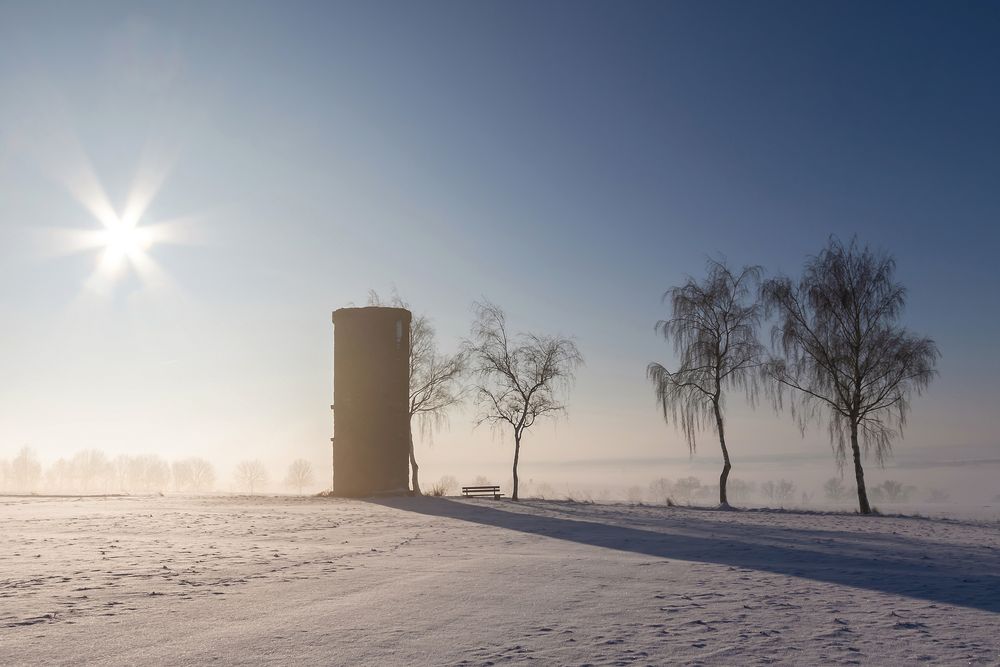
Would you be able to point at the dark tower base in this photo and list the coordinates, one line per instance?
(371, 387)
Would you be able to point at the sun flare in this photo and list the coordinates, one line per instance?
(122, 240)
(123, 237)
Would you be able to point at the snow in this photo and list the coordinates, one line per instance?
(281, 580)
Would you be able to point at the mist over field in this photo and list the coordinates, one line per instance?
(918, 480)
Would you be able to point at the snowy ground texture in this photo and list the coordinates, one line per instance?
(194, 581)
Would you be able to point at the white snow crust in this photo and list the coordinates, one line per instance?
(445, 581)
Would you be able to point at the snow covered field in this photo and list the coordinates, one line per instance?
(194, 581)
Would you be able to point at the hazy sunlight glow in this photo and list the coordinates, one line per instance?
(125, 241)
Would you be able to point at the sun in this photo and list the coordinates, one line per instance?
(125, 241)
(125, 245)
(123, 237)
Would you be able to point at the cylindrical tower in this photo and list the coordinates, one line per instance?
(371, 390)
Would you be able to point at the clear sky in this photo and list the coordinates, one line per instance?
(568, 160)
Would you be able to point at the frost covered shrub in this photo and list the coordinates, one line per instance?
(706, 493)
(895, 492)
(740, 490)
(538, 490)
(786, 490)
(781, 491)
(659, 490)
(685, 488)
(834, 489)
(446, 486)
(936, 496)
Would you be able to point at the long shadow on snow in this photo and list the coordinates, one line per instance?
(966, 576)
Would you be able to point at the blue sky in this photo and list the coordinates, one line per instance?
(570, 161)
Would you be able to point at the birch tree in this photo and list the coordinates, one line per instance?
(251, 474)
(435, 381)
(519, 378)
(300, 475)
(713, 329)
(844, 356)
(25, 470)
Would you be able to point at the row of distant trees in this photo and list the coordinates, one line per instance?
(684, 490)
(92, 471)
(838, 354)
(252, 475)
(781, 492)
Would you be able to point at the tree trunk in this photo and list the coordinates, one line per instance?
(726, 465)
(859, 473)
(414, 468)
(517, 454)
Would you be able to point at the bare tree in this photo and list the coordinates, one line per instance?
(192, 475)
(896, 492)
(740, 490)
(4, 474)
(435, 380)
(25, 470)
(780, 491)
(834, 489)
(687, 487)
(844, 354)
(122, 466)
(519, 378)
(300, 475)
(148, 472)
(713, 329)
(88, 465)
(202, 474)
(251, 474)
(59, 475)
(435, 384)
(660, 490)
(180, 472)
(633, 494)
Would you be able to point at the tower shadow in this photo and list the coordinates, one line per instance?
(955, 574)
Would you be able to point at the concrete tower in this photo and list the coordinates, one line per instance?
(371, 390)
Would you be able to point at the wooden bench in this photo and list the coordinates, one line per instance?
(482, 491)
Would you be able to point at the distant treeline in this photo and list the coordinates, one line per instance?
(91, 471)
(692, 490)
(781, 492)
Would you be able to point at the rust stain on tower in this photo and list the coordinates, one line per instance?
(371, 387)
